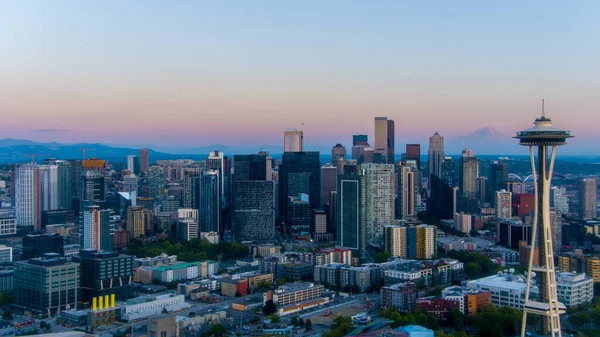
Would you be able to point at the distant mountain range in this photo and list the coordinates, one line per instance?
(484, 141)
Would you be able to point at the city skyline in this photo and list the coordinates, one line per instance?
(161, 66)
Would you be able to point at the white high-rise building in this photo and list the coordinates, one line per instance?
(395, 241)
(293, 140)
(98, 230)
(574, 289)
(27, 196)
(380, 203)
(558, 200)
(131, 163)
(49, 187)
(463, 222)
(503, 204)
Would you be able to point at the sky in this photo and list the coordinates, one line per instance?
(195, 73)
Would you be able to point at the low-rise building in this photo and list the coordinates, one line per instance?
(574, 289)
(506, 289)
(295, 297)
(177, 272)
(470, 301)
(294, 272)
(147, 306)
(401, 296)
(163, 326)
(439, 307)
(160, 260)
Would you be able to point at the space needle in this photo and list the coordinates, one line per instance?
(546, 139)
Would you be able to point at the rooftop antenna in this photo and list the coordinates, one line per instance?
(543, 112)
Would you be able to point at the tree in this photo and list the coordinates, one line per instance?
(497, 322)
(274, 319)
(269, 308)
(308, 324)
(580, 319)
(7, 315)
(216, 330)
(437, 291)
(346, 289)
(294, 321)
(458, 320)
(300, 321)
(42, 324)
(472, 270)
(280, 281)
(355, 288)
(282, 248)
(238, 294)
(382, 257)
(263, 285)
(48, 326)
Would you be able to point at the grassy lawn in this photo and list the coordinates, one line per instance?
(590, 332)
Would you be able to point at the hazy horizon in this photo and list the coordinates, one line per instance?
(192, 74)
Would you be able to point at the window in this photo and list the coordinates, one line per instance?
(163, 334)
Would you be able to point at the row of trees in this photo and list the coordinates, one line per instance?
(341, 327)
(194, 250)
(476, 264)
(418, 317)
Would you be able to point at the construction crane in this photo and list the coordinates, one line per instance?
(84, 150)
(33, 155)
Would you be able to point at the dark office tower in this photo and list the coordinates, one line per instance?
(144, 160)
(76, 182)
(98, 231)
(93, 187)
(442, 199)
(406, 192)
(449, 172)
(299, 172)
(133, 164)
(351, 213)
(252, 167)
(37, 245)
(105, 273)
(188, 186)
(65, 191)
(384, 139)
(413, 152)
(587, 191)
(299, 215)
(482, 190)
(254, 212)
(498, 178)
(468, 174)
(328, 183)
(435, 155)
(360, 140)
(210, 202)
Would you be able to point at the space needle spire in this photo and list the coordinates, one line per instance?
(545, 138)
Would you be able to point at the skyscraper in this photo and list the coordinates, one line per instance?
(191, 187)
(587, 190)
(299, 172)
(482, 190)
(328, 183)
(351, 221)
(558, 200)
(436, 155)
(254, 211)
(421, 242)
(210, 207)
(217, 161)
(468, 174)
(27, 196)
(133, 164)
(97, 229)
(299, 215)
(360, 140)
(359, 144)
(293, 140)
(544, 137)
(503, 204)
(407, 191)
(413, 152)
(448, 172)
(155, 176)
(384, 138)
(498, 176)
(442, 200)
(395, 241)
(380, 195)
(144, 160)
(252, 167)
(338, 157)
(138, 221)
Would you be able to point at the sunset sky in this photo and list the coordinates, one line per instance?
(195, 73)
